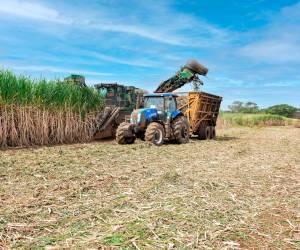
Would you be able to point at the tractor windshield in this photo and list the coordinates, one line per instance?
(154, 102)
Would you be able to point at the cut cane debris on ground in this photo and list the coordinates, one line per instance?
(241, 190)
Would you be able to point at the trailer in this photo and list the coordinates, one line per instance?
(201, 110)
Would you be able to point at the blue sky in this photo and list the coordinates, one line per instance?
(252, 48)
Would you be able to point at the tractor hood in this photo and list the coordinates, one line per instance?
(142, 117)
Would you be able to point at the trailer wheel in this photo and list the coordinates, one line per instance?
(155, 134)
(208, 132)
(202, 132)
(122, 134)
(212, 132)
(181, 130)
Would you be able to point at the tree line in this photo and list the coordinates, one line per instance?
(252, 108)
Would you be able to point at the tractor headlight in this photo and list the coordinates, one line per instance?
(134, 117)
(138, 118)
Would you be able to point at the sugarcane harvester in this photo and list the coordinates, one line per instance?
(120, 101)
(162, 118)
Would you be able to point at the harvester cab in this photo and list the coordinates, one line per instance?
(120, 101)
(118, 95)
(78, 80)
(157, 121)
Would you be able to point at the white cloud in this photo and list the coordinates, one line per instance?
(274, 51)
(281, 84)
(38, 68)
(162, 28)
(279, 42)
(97, 55)
(226, 81)
(203, 34)
(32, 10)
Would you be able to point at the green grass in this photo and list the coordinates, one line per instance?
(115, 239)
(252, 120)
(56, 94)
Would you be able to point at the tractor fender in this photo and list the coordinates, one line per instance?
(176, 114)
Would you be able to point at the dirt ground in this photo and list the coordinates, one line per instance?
(241, 191)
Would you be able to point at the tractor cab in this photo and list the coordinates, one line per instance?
(156, 107)
(157, 121)
(165, 104)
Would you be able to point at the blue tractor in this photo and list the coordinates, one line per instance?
(157, 121)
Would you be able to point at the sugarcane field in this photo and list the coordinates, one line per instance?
(149, 125)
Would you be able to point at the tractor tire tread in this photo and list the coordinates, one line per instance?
(151, 130)
(120, 134)
(179, 123)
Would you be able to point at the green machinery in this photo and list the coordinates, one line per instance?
(120, 101)
(76, 79)
(118, 95)
(188, 73)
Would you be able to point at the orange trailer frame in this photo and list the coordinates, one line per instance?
(201, 110)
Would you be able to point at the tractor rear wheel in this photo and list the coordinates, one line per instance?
(122, 134)
(181, 130)
(155, 134)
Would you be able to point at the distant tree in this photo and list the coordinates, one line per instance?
(281, 109)
(250, 107)
(236, 106)
(240, 107)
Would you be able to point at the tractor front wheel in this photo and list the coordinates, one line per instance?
(155, 134)
(181, 130)
(124, 135)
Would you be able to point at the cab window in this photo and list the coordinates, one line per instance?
(154, 102)
(170, 104)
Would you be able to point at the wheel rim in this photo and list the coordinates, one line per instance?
(158, 136)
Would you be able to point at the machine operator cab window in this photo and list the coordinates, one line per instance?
(164, 105)
(170, 104)
(154, 103)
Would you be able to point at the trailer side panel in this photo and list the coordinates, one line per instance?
(201, 109)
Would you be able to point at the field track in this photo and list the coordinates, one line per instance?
(241, 191)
